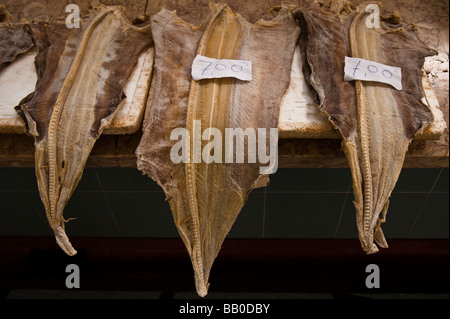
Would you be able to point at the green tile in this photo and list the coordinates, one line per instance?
(27, 178)
(433, 221)
(9, 180)
(249, 223)
(149, 215)
(403, 210)
(36, 202)
(18, 217)
(347, 224)
(93, 216)
(143, 215)
(443, 181)
(310, 180)
(126, 179)
(416, 179)
(302, 215)
(89, 181)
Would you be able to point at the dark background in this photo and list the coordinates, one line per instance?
(297, 238)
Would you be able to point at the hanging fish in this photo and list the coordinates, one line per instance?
(207, 195)
(81, 77)
(377, 121)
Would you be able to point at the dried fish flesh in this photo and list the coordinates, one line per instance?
(205, 199)
(15, 38)
(81, 76)
(377, 122)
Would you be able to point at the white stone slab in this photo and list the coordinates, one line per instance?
(301, 118)
(19, 79)
(299, 115)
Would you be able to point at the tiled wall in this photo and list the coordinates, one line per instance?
(298, 203)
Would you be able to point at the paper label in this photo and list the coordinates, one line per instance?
(365, 70)
(209, 68)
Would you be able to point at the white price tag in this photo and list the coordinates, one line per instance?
(209, 68)
(365, 70)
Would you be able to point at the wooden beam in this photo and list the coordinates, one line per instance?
(119, 151)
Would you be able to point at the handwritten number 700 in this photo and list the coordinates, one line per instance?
(221, 67)
(373, 69)
(207, 67)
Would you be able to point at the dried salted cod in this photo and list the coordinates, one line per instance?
(81, 76)
(205, 199)
(15, 38)
(377, 122)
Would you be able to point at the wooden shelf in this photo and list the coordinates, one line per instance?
(119, 151)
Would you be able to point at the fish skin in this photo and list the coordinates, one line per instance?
(15, 38)
(81, 76)
(376, 121)
(206, 199)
